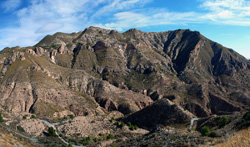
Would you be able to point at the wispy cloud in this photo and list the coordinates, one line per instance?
(230, 12)
(10, 5)
(42, 17)
(125, 20)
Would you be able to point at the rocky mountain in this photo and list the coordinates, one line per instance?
(154, 78)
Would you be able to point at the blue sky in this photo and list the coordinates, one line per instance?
(25, 22)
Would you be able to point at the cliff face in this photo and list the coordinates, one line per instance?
(97, 70)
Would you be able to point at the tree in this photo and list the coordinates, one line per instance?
(70, 145)
(52, 132)
(33, 116)
(205, 131)
(20, 128)
(224, 121)
(122, 124)
(247, 116)
(129, 124)
(1, 118)
(71, 116)
(110, 136)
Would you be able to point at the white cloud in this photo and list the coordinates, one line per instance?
(227, 12)
(10, 5)
(49, 27)
(44, 17)
(129, 19)
(230, 12)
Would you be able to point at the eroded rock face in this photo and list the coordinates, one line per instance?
(33, 127)
(31, 52)
(39, 51)
(17, 97)
(11, 59)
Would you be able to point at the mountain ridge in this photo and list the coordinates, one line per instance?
(157, 81)
(124, 59)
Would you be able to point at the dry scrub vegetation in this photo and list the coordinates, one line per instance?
(239, 139)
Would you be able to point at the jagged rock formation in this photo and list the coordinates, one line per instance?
(97, 70)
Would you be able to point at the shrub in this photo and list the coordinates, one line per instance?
(246, 116)
(112, 119)
(33, 116)
(224, 121)
(24, 117)
(213, 134)
(117, 123)
(85, 141)
(95, 139)
(52, 132)
(70, 145)
(110, 136)
(71, 116)
(132, 127)
(122, 124)
(205, 131)
(1, 118)
(129, 124)
(20, 128)
(100, 134)
(136, 127)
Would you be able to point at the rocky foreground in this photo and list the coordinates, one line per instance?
(102, 87)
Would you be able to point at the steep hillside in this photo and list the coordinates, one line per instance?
(165, 78)
(184, 66)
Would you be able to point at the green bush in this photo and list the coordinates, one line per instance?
(246, 116)
(132, 127)
(70, 145)
(85, 141)
(65, 117)
(95, 139)
(52, 132)
(100, 134)
(117, 123)
(24, 117)
(224, 121)
(1, 118)
(112, 119)
(20, 128)
(33, 116)
(129, 124)
(205, 131)
(136, 127)
(71, 116)
(110, 136)
(122, 124)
